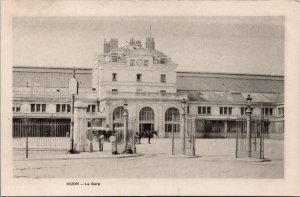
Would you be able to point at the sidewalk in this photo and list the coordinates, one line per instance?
(19, 155)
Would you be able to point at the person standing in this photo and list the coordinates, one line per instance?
(113, 141)
(101, 141)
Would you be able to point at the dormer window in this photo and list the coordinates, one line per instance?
(163, 60)
(146, 62)
(114, 58)
(132, 62)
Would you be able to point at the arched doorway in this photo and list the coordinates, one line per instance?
(118, 117)
(172, 121)
(146, 119)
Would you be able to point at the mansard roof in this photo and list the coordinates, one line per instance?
(137, 50)
(50, 77)
(226, 82)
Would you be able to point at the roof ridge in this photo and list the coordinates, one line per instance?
(229, 73)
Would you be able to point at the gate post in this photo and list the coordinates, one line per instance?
(193, 133)
(249, 134)
(172, 135)
(80, 126)
(125, 114)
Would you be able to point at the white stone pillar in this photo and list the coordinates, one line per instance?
(80, 127)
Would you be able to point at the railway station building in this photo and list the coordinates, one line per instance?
(149, 82)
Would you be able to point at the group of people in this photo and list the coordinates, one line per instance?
(110, 136)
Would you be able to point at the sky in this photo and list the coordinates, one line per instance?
(206, 44)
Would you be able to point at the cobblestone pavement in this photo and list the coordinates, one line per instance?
(216, 160)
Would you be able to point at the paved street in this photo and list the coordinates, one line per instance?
(216, 160)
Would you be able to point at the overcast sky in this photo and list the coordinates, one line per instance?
(213, 44)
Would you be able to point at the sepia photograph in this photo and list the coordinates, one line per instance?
(147, 97)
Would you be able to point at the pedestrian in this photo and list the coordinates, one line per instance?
(101, 141)
(148, 133)
(113, 141)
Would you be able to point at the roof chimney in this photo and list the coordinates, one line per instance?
(106, 46)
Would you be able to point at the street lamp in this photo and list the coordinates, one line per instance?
(248, 100)
(125, 114)
(125, 104)
(183, 106)
(248, 114)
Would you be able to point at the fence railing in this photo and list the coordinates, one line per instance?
(41, 134)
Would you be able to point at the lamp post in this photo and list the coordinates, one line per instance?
(248, 114)
(125, 115)
(183, 106)
(73, 90)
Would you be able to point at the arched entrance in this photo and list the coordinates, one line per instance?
(146, 119)
(118, 117)
(172, 121)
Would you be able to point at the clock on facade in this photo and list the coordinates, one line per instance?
(139, 62)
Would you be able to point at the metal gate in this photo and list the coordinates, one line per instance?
(183, 142)
(130, 137)
(251, 145)
(41, 135)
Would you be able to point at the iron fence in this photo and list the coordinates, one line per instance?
(41, 134)
(183, 140)
(130, 141)
(252, 145)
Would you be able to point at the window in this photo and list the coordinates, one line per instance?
(114, 91)
(132, 62)
(147, 114)
(63, 108)
(280, 111)
(68, 108)
(38, 107)
(114, 77)
(32, 107)
(267, 111)
(57, 107)
(225, 110)
(163, 92)
(203, 110)
(163, 78)
(163, 60)
(114, 58)
(172, 121)
(146, 62)
(139, 77)
(16, 107)
(43, 107)
(91, 108)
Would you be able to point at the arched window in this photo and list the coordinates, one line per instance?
(172, 121)
(147, 115)
(172, 112)
(118, 117)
